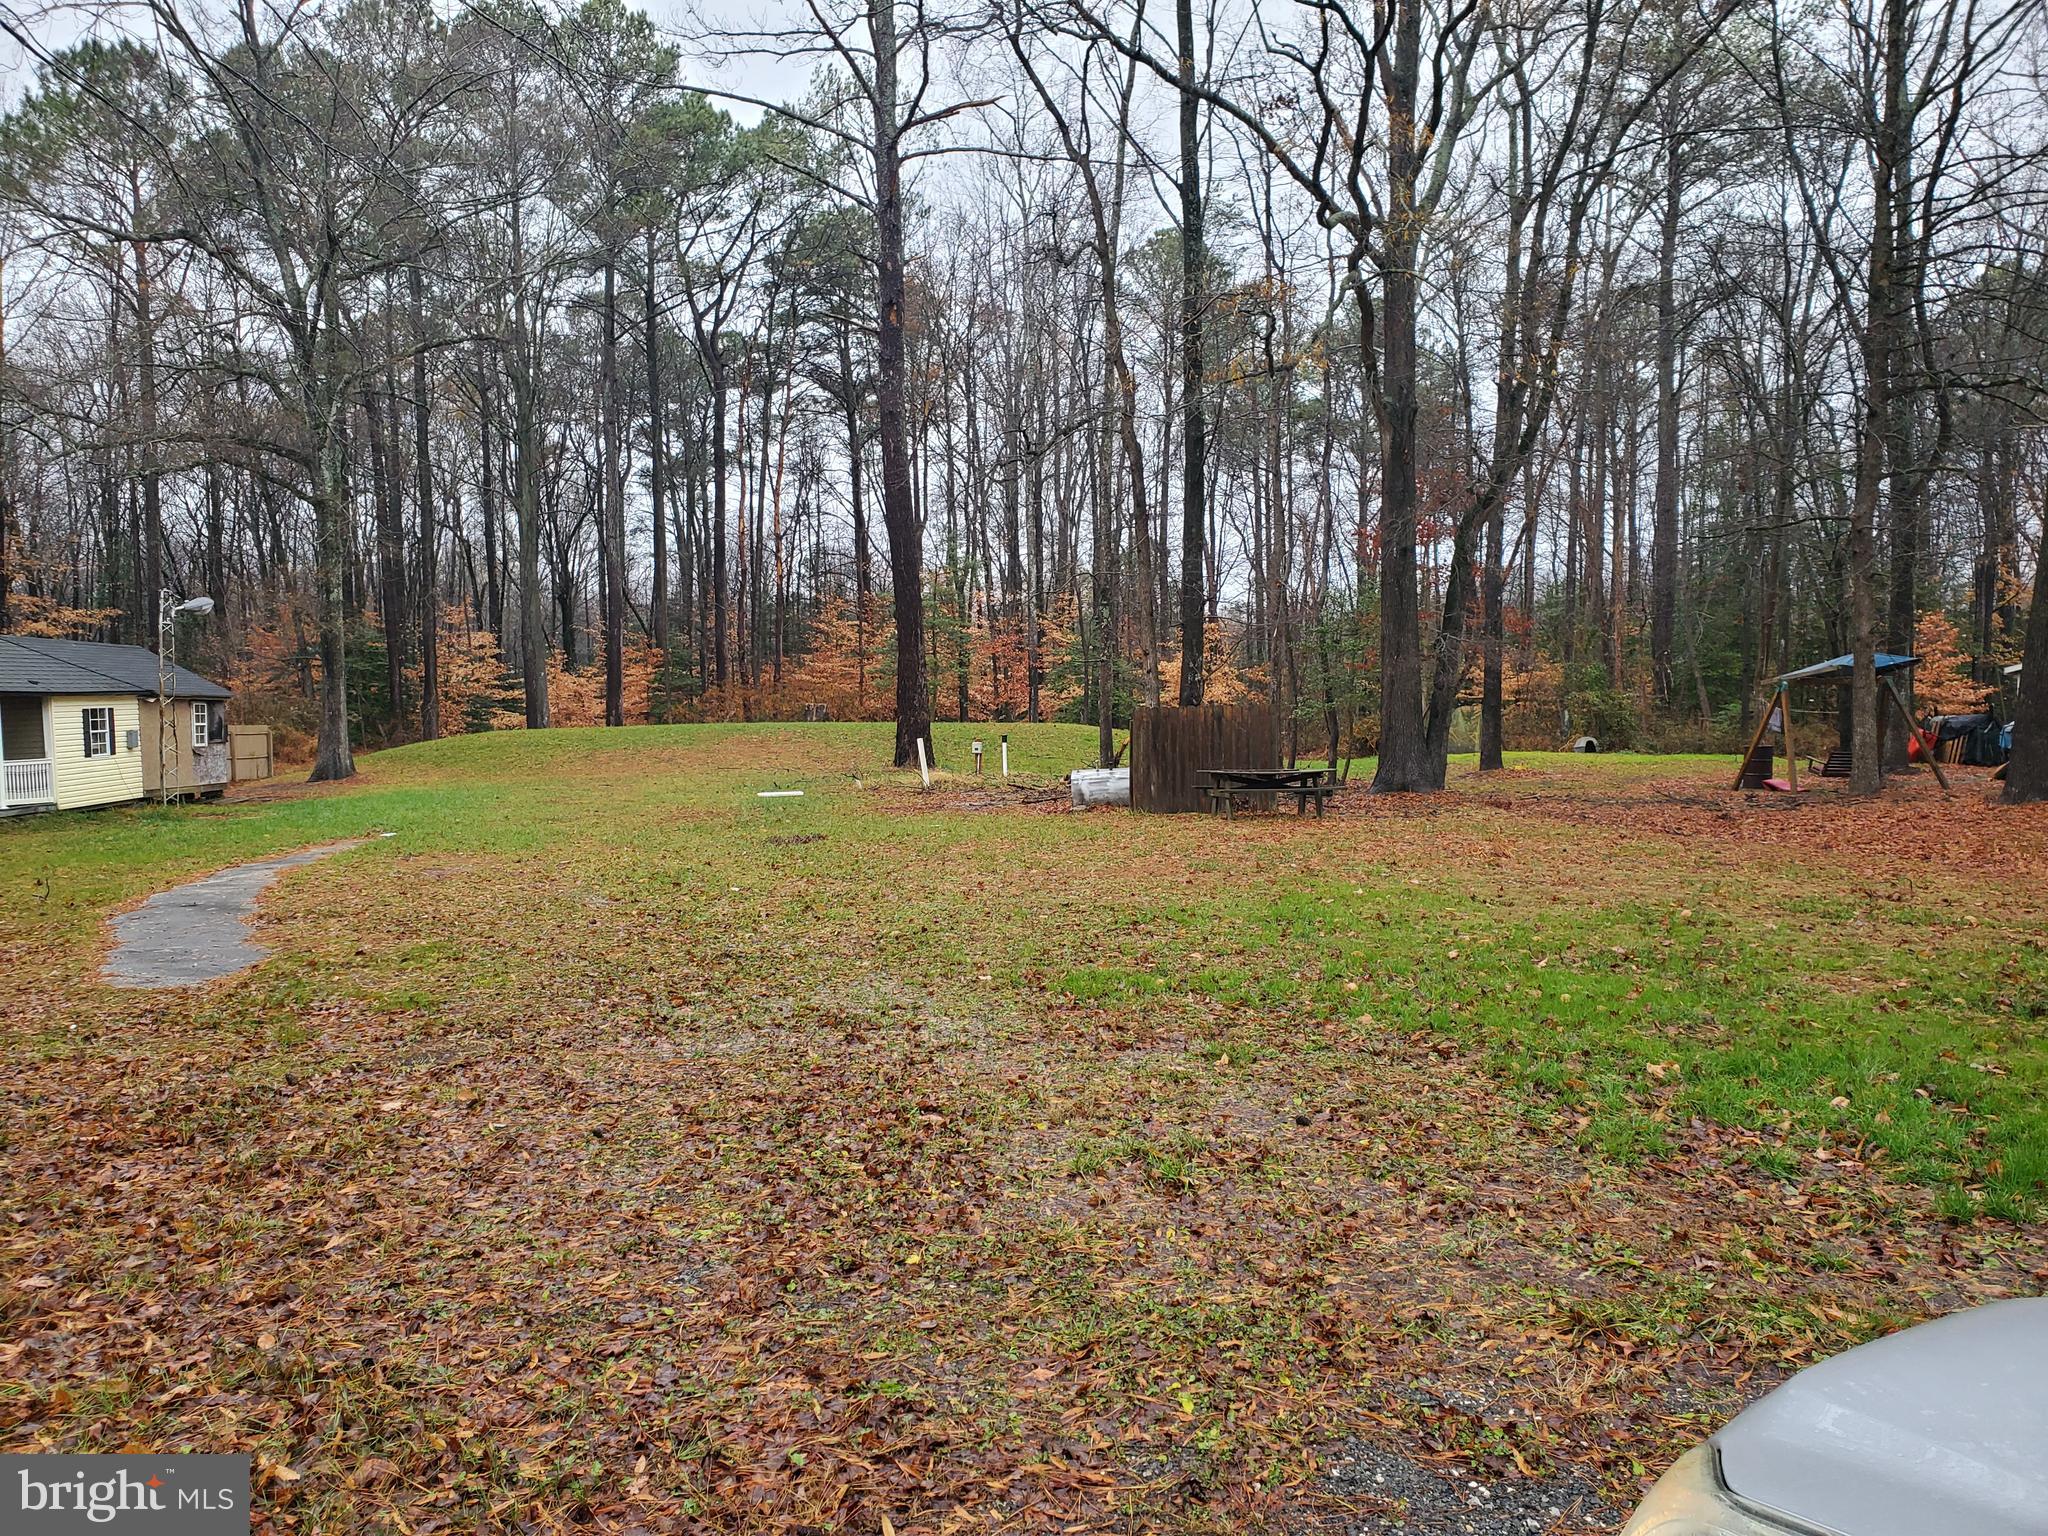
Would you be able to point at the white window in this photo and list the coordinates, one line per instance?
(199, 716)
(99, 732)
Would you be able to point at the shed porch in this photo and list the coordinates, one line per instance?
(28, 780)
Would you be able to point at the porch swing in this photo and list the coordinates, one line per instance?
(1775, 723)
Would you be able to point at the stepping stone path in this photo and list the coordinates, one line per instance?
(200, 931)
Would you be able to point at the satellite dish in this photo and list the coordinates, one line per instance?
(195, 605)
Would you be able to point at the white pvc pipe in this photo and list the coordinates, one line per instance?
(923, 767)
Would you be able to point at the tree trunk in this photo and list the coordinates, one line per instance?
(216, 539)
(720, 624)
(533, 635)
(1404, 759)
(1034, 578)
(423, 476)
(1105, 596)
(855, 480)
(657, 608)
(1126, 386)
(332, 757)
(612, 510)
(487, 500)
(2026, 775)
(1193, 481)
(146, 391)
(1506, 434)
(1664, 530)
(390, 551)
(1493, 622)
(1865, 769)
(899, 511)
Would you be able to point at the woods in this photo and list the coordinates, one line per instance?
(1455, 378)
(692, 486)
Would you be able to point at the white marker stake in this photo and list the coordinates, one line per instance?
(1006, 756)
(923, 767)
(779, 794)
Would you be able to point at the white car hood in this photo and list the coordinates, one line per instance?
(1940, 1430)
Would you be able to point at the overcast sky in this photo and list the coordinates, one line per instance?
(56, 25)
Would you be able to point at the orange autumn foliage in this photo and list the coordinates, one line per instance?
(1224, 680)
(471, 680)
(1941, 683)
(46, 618)
(272, 675)
(1001, 685)
(848, 671)
(577, 698)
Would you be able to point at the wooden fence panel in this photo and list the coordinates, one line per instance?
(249, 749)
(1169, 745)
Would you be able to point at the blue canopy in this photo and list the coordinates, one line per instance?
(1839, 669)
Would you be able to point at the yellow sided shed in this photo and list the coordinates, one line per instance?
(79, 726)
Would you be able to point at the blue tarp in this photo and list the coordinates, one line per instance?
(1839, 669)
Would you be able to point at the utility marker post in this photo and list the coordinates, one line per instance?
(1006, 754)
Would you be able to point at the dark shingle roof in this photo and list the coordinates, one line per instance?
(33, 664)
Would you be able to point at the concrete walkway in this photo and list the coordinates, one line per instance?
(200, 931)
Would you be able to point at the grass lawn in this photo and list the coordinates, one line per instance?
(613, 1149)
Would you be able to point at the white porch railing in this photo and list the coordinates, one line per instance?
(28, 782)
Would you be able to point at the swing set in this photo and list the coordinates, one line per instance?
(1776, 722)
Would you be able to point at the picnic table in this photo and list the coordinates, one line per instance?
(1226, 786)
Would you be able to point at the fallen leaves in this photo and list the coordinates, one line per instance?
(814, 1201)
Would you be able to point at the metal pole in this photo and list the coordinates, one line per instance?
(166, 629)
(168, 607)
